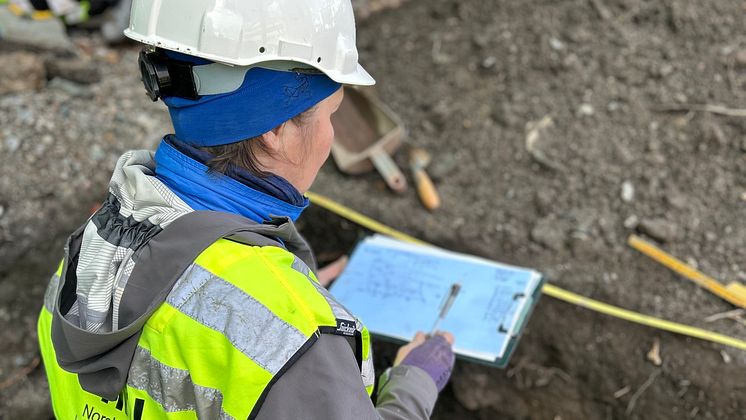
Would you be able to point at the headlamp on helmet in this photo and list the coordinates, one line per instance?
(164, 76)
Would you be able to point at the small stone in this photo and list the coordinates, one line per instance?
(614, 106)
(2, 211)
(584, 247)
(22, 72)
(654, 355)
(586, 110)
(628, 192)
(428, 126)
(71, 88)
(544, 200)
(481, 40)
(659, 229)
(547, 232)
(38, 35)
(440, 114)
(112, 57)
(631, 222)
(726, 357)
(97, 153)
(666, 69)
(12, 143)
(580, 35)
(740, 58)
(489, 62)
(743, 145)
(677, 199)
(572, 62)
(503, 114)
(19, 360)
(692, 262)
(442, 167)
(556, 44)
(73, 69)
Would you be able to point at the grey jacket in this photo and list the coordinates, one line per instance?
(104, 305)
(325, 384)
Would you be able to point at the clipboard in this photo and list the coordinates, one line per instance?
(395, 288)
(502, 362)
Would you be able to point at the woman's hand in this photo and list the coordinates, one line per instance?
(331, 271)
(434, 355)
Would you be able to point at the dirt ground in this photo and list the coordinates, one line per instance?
(471, 78)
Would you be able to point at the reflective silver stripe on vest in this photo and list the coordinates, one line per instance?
(301, 267)
(339, 311)
(173, 388)
(368, 370)
(252, 328)
(51, 292)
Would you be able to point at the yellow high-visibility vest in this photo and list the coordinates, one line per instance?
(231, 325)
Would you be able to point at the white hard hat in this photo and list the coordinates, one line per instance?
(318, 33)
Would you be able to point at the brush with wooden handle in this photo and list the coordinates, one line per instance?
(418, 160)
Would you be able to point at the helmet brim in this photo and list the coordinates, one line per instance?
(359, 77)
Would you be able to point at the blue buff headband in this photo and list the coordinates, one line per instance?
(266, 99)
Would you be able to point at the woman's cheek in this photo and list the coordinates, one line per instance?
(327, 138)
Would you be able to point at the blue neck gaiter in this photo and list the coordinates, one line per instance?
(183, 169)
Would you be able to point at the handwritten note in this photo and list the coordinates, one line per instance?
(397, 289)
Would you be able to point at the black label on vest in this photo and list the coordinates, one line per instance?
(345, 327)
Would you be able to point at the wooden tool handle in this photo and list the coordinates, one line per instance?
(387, 168)
(425, 188)
(703, 280)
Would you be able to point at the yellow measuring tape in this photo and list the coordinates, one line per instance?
(548, 289)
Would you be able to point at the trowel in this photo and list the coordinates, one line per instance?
(366, 134)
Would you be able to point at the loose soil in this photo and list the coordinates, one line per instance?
(470, 78)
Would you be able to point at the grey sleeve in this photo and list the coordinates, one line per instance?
(325, 383)
(406, 392)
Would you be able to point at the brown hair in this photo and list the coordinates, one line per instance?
(243, 154)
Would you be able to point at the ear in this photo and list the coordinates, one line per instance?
(273, 138)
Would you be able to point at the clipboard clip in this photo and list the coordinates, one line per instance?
(501, 328)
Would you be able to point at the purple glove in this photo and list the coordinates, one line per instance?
(434, 356)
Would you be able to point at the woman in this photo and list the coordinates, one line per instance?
(190, 293)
